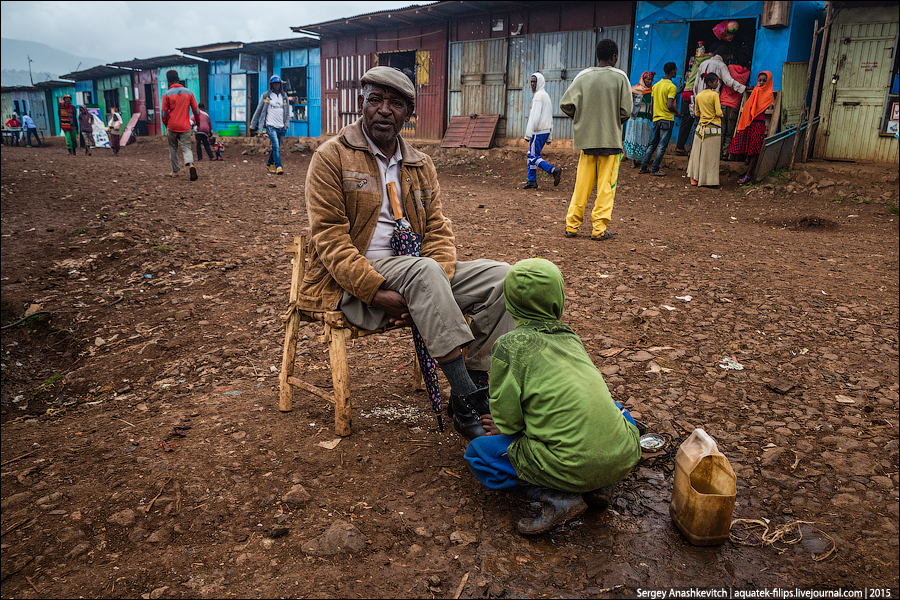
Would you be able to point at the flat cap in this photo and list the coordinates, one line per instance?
(391, 77)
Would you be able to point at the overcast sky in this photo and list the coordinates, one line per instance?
(115, 31)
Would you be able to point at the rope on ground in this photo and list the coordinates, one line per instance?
(781, 533)
(23, 319)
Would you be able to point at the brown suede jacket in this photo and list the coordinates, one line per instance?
(343, 200)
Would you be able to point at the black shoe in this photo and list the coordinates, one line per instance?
(557, 175)
(571, 234)
(557, 508)
(642, 429)
(466, 412)
(531, 185)
(643, 171)
(479, 378)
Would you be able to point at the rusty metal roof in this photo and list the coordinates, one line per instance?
(98, 72)
(171, 60)
(53, 84)
(415, 14)
(226, 50)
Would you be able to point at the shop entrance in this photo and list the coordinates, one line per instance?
(702, 31)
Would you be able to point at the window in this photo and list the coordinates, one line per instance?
(238, 97)
(86, 98)
(111, 97)
(294, 84)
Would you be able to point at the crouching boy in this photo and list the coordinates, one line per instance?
(554, 432)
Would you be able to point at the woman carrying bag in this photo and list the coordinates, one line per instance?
(114, 129)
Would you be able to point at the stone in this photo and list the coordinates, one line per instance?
(415, 551)
(463, 538)
(640, 356)
(125, 518)
(158, 592)
(341, 537)
(15, 500)
(78, 550)
(804, 178)
(137, 534)
(845, 500)
(160, 536)
(426, 532)
(825, 183)
(297, 496)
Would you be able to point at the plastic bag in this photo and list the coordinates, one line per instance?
(725, 30)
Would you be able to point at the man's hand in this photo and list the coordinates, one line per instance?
(487, 421)
(252, 131)
(394, 305)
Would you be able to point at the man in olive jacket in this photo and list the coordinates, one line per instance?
(354, 269)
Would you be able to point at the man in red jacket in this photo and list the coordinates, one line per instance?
(177, 104)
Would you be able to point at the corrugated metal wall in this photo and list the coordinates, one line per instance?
(860, 54)
(793, 76)
(309, 58)
(340, 76)
(492, 76)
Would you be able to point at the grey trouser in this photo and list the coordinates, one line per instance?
(439, 307)
(183, 139)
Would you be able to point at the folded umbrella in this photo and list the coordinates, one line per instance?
(406, 242)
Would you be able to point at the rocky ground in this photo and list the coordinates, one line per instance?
(143, 453)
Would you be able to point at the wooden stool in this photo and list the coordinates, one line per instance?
(336, 333)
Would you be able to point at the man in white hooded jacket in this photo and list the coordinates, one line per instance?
(538, 131)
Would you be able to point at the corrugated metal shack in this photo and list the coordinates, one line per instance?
(469, 57)
(239, 74)
(145, 97)
(860, 107)
(771, 33)
(55, 90)
(27, 99)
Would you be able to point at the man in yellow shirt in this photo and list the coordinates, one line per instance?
(664, 113)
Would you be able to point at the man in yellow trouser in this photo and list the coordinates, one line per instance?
(599, 103)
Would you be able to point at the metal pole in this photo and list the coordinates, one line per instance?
(815, 98)
(805, 110)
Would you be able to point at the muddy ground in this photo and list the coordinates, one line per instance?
(143, 453)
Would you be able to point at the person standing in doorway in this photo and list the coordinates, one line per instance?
(178, 104)
(599, 103)
(203, 133)
(731, 100)
(68, 122)
(273, 113)
(86, 126)
(664, 113)
(538, 132)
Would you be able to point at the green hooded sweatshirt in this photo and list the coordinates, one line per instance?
(545, 389)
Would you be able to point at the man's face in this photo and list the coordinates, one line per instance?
(276, 87)
(385, 111)
(533, 83)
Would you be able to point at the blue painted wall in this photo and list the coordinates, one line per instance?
(309, 58)
(656, 42)
(220, 72)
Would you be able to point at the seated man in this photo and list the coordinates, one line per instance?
(554, 432)
(354, 269)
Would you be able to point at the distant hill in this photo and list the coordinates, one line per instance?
(46, 62)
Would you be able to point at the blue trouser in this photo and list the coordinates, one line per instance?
(32, 131)
(662, 131)
(534, 156)
(488, 458)
(276, 134)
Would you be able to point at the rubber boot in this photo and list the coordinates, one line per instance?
(466, 412)
(598, 499)
(556, 508)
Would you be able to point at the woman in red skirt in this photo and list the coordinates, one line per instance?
(751, 127)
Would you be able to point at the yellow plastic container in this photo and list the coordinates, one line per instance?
(704, 491)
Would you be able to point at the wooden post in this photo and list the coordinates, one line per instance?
(828, 18)
(805, 110)
(289, 352)
(336, 332)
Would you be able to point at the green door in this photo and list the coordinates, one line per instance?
(857, 76)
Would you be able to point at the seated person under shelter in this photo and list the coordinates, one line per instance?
(354, 269)
(554, 432)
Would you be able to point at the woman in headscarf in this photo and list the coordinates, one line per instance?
(703, 166)
(554, 432)
(751, 127)
(115, 129)
(640, 125)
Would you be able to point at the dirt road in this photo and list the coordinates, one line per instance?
(143, 453)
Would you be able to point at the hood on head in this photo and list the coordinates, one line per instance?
(534, 291)
(540, 81)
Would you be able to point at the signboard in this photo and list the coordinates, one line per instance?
(101, 140)
(248, 62)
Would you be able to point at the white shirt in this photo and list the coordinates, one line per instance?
(380, 244)
(275, 111)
